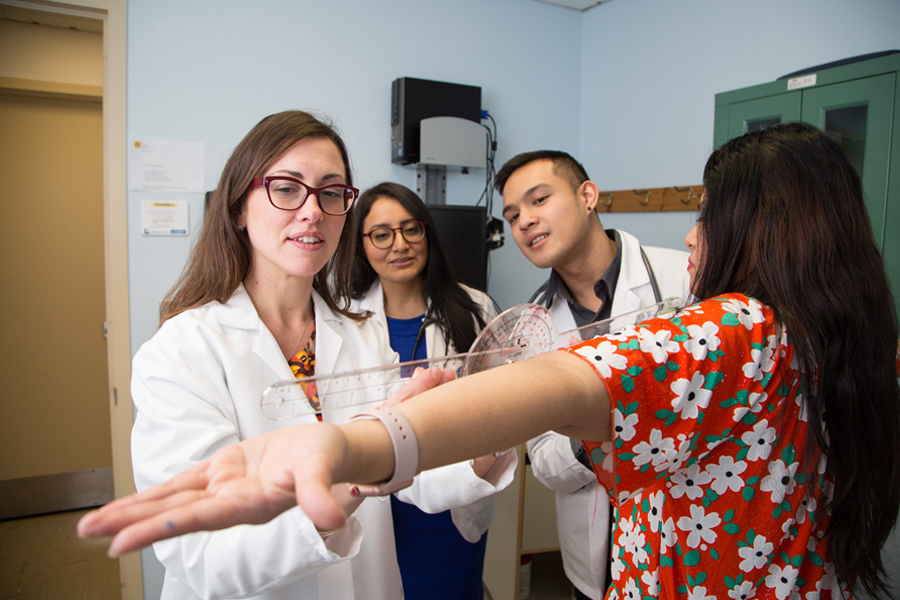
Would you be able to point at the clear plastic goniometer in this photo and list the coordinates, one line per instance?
(519, 333)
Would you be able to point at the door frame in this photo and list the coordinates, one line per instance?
(115, 232)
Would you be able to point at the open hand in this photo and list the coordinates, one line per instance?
(251, 482)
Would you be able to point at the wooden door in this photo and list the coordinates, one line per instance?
(53, 362)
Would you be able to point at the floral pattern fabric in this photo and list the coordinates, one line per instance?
(303, 365)
(715, 496)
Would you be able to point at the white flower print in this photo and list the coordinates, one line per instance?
(617, 566)
(781, 580)
(700, 526)
(631, 590)
(755, 401)
(815, 594)
(690, 396)
(757, 555)
(650, 579)
(763, 362)
(604, 357)
(687, 482)
(699, 593)
(830, 581)
(676, 459)
(624, 426)
(748, 314)
(657, 344)
(759, 440)
(654, 515)
(742, 591)
(632, 540)
(780, 480)
(667, 534)
(655, 451)
(786, 529)
(703, 340)
(807, 505)
(727, 475)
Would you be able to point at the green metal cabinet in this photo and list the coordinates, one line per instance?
(858, 105)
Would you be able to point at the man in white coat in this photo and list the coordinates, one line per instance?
(549, 202)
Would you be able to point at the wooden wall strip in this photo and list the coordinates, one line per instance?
(683, 198)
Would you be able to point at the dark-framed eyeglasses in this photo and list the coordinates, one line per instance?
(288, 193)
(383, 237)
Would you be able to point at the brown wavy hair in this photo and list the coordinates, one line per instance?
(785, 222)
(221, 257)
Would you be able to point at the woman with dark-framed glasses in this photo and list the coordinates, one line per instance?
(403, 279)
(261, 301)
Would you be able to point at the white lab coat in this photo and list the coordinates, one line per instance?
(471, 520)
(582, 507)
(197, 386)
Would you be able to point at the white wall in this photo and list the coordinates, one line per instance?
(651, 70)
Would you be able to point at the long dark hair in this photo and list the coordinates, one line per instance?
(221, 258)
(451, 306)
(785, 222)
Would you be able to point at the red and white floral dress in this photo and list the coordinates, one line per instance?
(714, 494)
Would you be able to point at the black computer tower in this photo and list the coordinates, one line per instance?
(415, 99)
(463, 234)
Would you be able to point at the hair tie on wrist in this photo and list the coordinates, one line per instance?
(406, 452)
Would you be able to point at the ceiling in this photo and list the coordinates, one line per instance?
(579, 5)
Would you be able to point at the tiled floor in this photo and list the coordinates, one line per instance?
(41, 558)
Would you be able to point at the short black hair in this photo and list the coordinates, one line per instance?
(564, 165)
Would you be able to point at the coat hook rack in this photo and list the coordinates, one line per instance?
(664, 199)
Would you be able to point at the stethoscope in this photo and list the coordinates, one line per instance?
(426, 321)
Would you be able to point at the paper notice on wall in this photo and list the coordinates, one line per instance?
(166, 166)
(164, 218)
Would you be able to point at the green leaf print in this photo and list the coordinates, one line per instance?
(797, 561)
(634, 371)
(692, 559)
(627, 384)
(659, 373)
(681, 338)
(730, 320)
(787, 455)
(665, 561)
(662, 414)
(630, 408)
(816, 559)
(728, 516)
(712, 380)
(732, 528)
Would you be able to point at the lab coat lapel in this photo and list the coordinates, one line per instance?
(239, 313)
(328, 341)
(633, 278)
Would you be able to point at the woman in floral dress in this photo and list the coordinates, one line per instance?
(750, 443)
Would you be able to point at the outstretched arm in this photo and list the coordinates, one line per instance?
(264, 476)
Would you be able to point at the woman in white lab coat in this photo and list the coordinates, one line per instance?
(254, 307)
(401, 277)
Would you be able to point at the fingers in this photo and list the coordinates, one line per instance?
(422, 380)
(201, 513)
(120, 513)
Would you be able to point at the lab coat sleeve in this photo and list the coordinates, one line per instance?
(554, 464)
(185, 413)
(457, 485)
